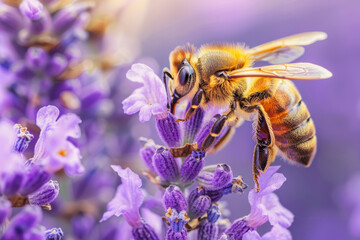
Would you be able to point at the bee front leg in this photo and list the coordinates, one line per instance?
(217, 127)
(265, 149)
(195, 103)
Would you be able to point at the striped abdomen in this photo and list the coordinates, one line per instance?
(292, 125)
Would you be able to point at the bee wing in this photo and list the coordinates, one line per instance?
(285, 49)
(292, 71)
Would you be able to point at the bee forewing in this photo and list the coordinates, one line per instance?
(281, 55)
(288, 46)
(292, 71)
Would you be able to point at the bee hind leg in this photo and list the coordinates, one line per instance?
(265, 149)
(195, 103)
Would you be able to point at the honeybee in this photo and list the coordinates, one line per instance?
(222, 75)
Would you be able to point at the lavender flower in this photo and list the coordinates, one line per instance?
(127, 202)
(12, 170)
(150, 99)
(177, 224)
(128, 198)
(53, 149)
(54, 234)
(265, 206)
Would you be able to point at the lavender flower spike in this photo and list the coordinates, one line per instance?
(150, 99)
(53, 149)
(128, 198)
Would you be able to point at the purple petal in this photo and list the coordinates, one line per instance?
(145, 113)
(69, 123)
(150, 99)
(47, 115)
(278, 215)
(252, 235)
(128, 198)
(277, 233)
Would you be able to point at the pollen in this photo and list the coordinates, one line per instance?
(62, 152)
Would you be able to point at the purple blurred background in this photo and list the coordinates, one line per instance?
(315, 195)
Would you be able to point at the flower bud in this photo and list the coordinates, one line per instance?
(22, 71)
(208, 231)
(22, 223)
(195, 194)
(144, 232)
(54, 234)
(35, 178)
(12, 183)
(147, 153)
(67, 17)
(5, 210)
(46, 194)
(23, 138)
(238, 228)
(215, 177)
(213, 213)
(200, 206)
(10, 19)
(165, 165)
(33, 9)
(192, 166)
(215, 195)
(82, 225)
(193, 125)
(36, 57)
(174, 198)
(169, 130)
(171, 235)
(57, 65)
(237, 185)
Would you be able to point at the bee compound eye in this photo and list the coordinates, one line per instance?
(184, 75)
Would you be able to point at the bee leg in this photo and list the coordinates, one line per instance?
(217, 127)
(166, 75)
(195, 103)
(223, 141)
(265, 149)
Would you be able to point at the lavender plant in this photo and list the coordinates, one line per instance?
(190, 190)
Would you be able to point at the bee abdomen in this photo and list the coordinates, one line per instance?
(295, 136)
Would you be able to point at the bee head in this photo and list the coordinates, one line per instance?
(184, 75)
